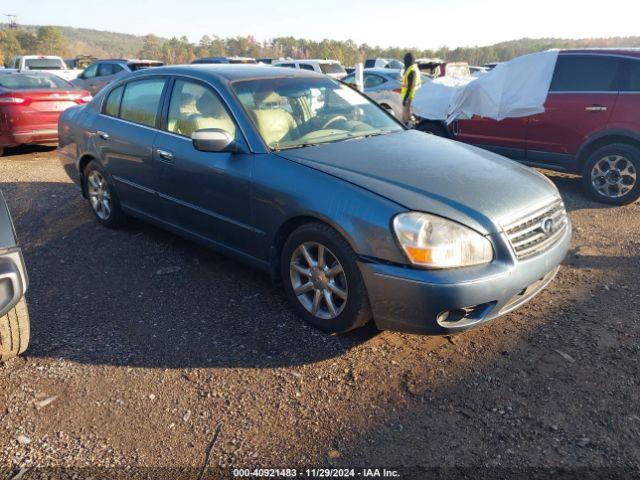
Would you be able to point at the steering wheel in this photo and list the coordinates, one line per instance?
(333, 120)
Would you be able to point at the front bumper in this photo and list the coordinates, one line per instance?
(418, 301)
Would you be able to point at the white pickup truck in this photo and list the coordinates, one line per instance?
(47, 63)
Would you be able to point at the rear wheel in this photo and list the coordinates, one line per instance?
(14, 331)
(102, 196)
(322, 279)
(611, 174)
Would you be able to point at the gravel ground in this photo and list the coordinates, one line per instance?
(142, 343)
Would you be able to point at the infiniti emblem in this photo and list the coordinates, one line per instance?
(546, 225)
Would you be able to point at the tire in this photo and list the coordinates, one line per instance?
(432, 128)
(617, 162)
(14, 331)
(1, 151)
(349, 313)
(113, 217)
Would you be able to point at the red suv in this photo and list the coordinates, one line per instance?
(591, 125)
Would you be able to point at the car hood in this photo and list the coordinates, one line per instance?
(431, 174)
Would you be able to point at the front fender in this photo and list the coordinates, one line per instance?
(285, 190)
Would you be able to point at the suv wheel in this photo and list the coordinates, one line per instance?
(322, 279)
(612, 174)
(433, 128)
(102, 196)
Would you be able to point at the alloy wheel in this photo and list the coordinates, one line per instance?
(613, 176)
(318, 280)
(99, 195)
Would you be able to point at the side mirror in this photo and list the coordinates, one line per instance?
(212, 140)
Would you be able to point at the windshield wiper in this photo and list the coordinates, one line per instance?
(297, 145)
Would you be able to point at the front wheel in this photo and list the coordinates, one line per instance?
(322, 280)
(610, 174)
(14, 331)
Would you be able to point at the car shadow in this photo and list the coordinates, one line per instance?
(142, 297)
(27, 149)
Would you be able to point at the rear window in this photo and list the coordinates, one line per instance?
(43, 64)
(332, 68)
(242, 61)
(112, 105)
(585, 73)
(26, 81)
(133, 66)
(141, 100)
(458, 71)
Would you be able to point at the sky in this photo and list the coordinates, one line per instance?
(410, 23)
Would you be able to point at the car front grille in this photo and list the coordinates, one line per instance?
(537, 230)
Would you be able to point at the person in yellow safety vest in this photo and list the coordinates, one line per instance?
(411, 81)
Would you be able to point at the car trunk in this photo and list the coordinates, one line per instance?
(37, 109)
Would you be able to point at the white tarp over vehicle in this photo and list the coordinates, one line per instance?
(517, 88)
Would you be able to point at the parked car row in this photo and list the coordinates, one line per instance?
(590, 125)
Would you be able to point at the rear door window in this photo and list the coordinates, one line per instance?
(90, 71)
(306, 66)
(141, 100)
(585, 73)
(371, 80)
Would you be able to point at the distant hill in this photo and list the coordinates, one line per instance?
(99, 43)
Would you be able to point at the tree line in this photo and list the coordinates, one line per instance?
(70, 42)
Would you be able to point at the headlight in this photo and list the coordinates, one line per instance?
(434, 242)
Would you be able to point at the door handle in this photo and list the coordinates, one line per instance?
(103, 135)
(596, 108)
(165, 155)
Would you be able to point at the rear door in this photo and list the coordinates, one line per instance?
(124, 133)
(580, 101)
(625, 113)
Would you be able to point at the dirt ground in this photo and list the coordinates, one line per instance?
(142, 343)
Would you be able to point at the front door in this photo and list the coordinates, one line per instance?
(506, 137)
(581, 98)
(205, 193)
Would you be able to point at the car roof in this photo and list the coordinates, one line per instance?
(631, 52)
(230, 72)
(127, 60)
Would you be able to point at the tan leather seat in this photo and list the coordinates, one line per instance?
(210, 114)
(273, 122)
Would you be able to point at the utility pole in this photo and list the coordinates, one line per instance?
(12, 20)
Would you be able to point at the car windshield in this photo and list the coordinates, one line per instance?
(26, 81)
(43, 64)
(297, 112)
(332, 68)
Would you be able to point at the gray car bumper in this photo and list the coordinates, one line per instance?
(442, 302)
